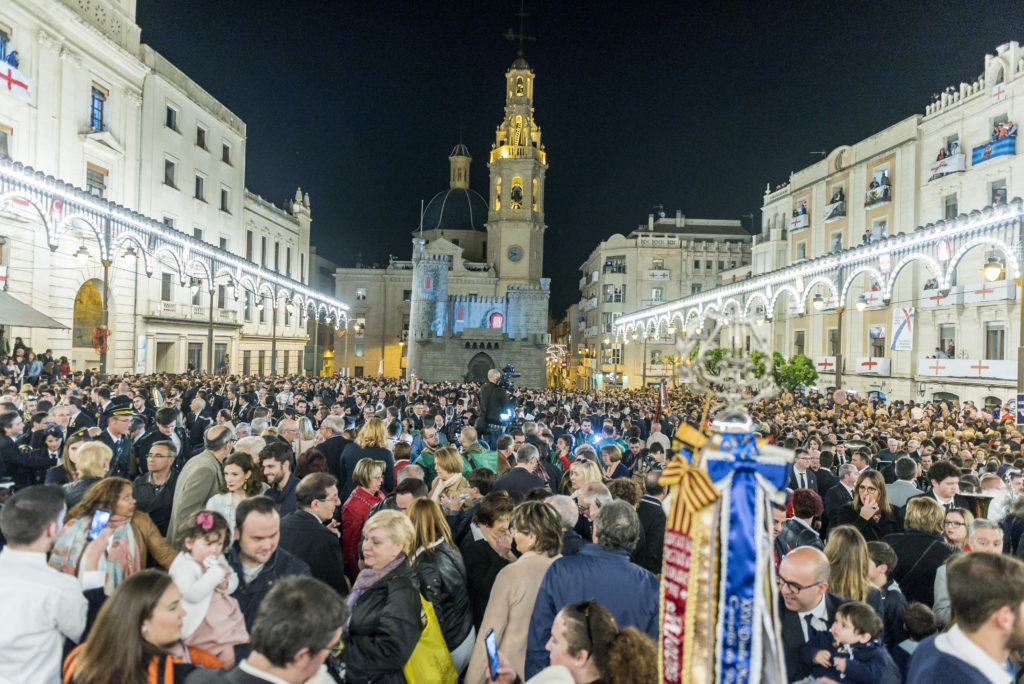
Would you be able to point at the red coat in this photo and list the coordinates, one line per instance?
(353, 516)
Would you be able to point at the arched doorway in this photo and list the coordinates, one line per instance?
(88, 314)
(478, 367)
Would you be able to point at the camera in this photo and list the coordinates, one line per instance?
(508, 373)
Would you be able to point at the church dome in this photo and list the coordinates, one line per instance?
(456, 209)
(520, 64)
(460, 150)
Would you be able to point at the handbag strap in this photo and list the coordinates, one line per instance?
(920, 558)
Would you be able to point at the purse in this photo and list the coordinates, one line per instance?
(430, 660)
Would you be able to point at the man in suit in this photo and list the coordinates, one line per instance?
(945, 481)
(821, 464)
(903, 488)
(118, 419)
(803, 477)
(334, 443)
(246, 406)
(807, 607)
(521, 478)
(305, 535)
(202, 476)
(840, 494)
(164, 430)
(652, 520)
(79, 419)
(300, 617)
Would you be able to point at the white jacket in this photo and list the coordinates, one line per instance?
(197, 588)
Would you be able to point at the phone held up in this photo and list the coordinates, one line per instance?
(491, 642)
(99, 520)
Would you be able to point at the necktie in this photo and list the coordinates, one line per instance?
(803, 485)
(810, 628)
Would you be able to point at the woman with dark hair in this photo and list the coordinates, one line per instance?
(66, 471)
(137, 637)
(242, 479)
(870, 511)
(586, 640)
(132, 535)
(442, 575)
(487, 549)
(799, 530)
(310, 461)
(537, 530)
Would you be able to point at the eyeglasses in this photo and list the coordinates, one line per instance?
(954, 523)
(794, 587)
(867, 488)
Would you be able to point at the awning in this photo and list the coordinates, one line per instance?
(13, 312)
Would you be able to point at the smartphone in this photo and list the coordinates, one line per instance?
(99, 520)
(491, 642)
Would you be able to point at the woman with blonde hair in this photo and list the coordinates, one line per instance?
(920, 550)
(92, 463)
(356, 510)
(870, 511)
(955, 527)
(371, 442)
(582, 471)
(450, 489)
(847, 554)
(443, 580)
(385, 624)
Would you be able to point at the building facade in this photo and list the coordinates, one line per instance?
(471, 298)
(896, 259)
(92, 107)
(658, 262)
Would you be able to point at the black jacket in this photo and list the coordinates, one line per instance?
(794, 533)
(281, 564)
(352, 454)
(919, 555)
(74, 491)
(332, 449)
(959, 501)
(442, 576)
(826, 481)
(21, 464)
(518, 480)
(812, 480)
(146, 441)
(494, 401)
(873, 530)
(384, 629)
(306, 538)
(652, 522)
(482, 565)
(572, 542)
(793, 635)
(156, 501)
(834, 500)
(122, 463)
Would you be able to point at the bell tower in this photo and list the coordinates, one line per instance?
(518, 162)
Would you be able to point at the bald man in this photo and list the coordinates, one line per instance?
(806, 604)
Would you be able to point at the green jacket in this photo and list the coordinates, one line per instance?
(471, 457)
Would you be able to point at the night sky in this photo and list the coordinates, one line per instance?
(639, 103)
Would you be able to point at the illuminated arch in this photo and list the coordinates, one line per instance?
(760, 296)
(171, 255)
(994, 244)
(120, 248)
(870, 271)
(785, 288)
(932, 264)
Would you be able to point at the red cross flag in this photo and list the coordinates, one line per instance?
(14, 82)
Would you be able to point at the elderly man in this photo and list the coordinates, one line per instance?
(308, 535)
(807, 607)
(334, 443)
(600, 569)
(522, 478)
(903, 488)
(983, 535)
(202, 476)
(569, 515)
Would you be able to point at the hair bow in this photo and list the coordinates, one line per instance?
(205, 520)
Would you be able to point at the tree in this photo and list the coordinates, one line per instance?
(798, 372)
(758, 360)
(714, 356)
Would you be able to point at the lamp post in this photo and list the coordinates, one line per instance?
(105, 312)
(316, 341)
(346, 347)
(273, 340)
(209, 334)
(839, 346)
(643, 360)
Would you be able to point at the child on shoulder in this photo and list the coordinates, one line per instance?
(849, 652)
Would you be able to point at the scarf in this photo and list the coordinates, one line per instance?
(120, 560)
(368, 577)
(443, 485)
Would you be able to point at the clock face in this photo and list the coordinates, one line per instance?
(515, 253)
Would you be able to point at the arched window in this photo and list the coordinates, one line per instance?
(534, 196)
(497, 320)
(497, 193)
(520, 86)
(515, 197)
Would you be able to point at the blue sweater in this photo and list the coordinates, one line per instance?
(930, 665)
(865, 666)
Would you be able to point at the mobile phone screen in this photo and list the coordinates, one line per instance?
(491, 642)
(99, 520)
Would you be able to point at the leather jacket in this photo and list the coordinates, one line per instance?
(442, 576)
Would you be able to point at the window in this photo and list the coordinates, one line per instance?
(614, 293)
(615, 264)
(285, 369)
(707, 265)
(360, 294)
(200, 188)
(247, 305)
(877, 347)
(616, 354)
(200, 137)
(263, 312)
(798, 341)
(225, 153)
(171, 118)
(6, 133)
(288, 262)
(947, 339)
(222, 292)
(608, 321)
(302, 268)
(95, 180)
(657, 264)
(197, 233)
(995, 341)
(837, 241)
(224, 243)
(694, 288)
(406, 295)
(833, 342)
(696, 265)
(166, 293)
(656, 294)
(455, 241)
(721, 265)
(879, 229)
(5, 41)
(170, 173)
(197, 296)
(360, 349)
(801, 250)
(169, 222)
(357, 371)
(248, 245)
(277, 257)
(263, 251)
(225, 200)
(261, 360)
(97, 108)
(998, 194)
(949, 206)
(496, 321)
(247, 362)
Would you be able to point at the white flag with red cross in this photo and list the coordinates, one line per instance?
(15, 82)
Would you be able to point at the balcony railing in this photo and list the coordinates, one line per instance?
(882, 193)
(799, 222)
(662, 274)
(993, 369)
(947, 165)
(825, 364)
(985, 292)
(193, 312)
(871, 365)
(835, 210)
(932, 298)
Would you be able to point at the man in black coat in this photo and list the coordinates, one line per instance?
(806, 606)
(652, 522)
(80, 420)
(164, 430)
(118, 417)
(334, 443)
(821, 464)
(803, 477)
(839, 495)
(307, 534)
(521, 478)
(945, 481)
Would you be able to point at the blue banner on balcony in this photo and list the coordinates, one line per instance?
(994, 148)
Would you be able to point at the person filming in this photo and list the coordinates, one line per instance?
(494, 401)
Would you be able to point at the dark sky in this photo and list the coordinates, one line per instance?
(692, 105)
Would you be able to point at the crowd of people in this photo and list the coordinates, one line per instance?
(205, 529)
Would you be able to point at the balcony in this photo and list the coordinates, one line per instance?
(658, 370)
(946, 166)
(991, 369)
(877, 195)
(649, 303)
(933, 298)
(996, 148)
(591, 331)
(873, 299)
(834, 211)
(191, 312)
(583, 282)
(799, 222)
(985, 292)
(825, 364)
(871, 365)
(660, 274)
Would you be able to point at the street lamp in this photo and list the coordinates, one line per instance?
(993, 268)
(818, 302)
(862, 302)
(83, 254)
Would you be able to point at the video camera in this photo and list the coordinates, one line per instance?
(508, 373)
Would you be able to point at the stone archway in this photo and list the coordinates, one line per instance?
(88, 314)
(478, 367)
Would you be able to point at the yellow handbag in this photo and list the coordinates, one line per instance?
(430, 663)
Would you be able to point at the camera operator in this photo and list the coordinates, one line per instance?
(494, 401)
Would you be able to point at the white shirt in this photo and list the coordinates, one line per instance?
(40, 607)
(245, 667)
(820, 612)
(957, 644)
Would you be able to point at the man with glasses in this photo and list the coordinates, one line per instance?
(164, 429)
(803, 477)
(118, 416)
(311, 533)
(807, 607)
(154, 490)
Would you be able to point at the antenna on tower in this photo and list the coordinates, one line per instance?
(521, 36)
(421, 225)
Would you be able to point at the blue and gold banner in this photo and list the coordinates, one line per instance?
(994, 148)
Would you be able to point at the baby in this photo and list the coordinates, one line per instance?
(849, 652)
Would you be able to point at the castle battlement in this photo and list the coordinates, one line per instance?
(476, 299)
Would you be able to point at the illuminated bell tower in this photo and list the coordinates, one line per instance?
(515, 218)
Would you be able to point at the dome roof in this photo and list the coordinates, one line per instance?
(456, 209)
(460, 150)
(520, 63)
